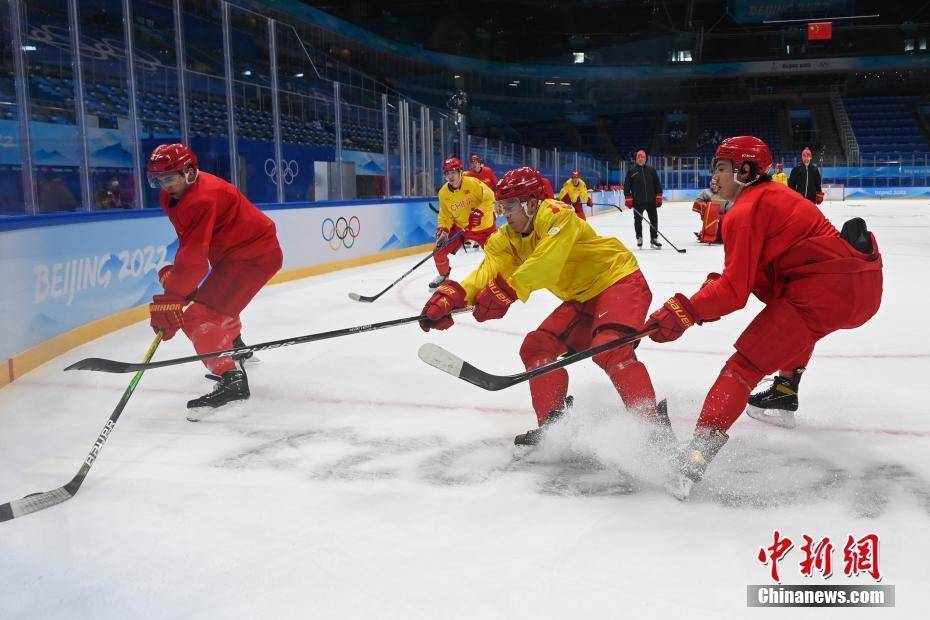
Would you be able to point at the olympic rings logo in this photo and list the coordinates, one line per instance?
(341, 232)
(289, 170)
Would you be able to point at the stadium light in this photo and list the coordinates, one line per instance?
(579, 57)
(247, 72)
(29, 48)
(298, 75)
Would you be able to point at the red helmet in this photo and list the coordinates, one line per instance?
(453, 163)
(743, 149)
(476, 158)
(640, 152)
(807, 152)
(523, 183)
(576, 174)
(171, 158)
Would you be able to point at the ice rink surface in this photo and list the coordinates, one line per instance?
(358, 482)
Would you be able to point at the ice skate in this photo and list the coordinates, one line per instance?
(777, 404)
(693, 462)
(231, 387)
(533, 436)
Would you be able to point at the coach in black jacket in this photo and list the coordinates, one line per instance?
(805, 179)
(643, 193)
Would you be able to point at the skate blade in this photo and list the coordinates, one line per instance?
(679, 487)
(198, 414)
(776, 417)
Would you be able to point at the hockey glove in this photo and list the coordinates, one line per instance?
(442, 237)
(167, 314)
(494, 300)
(658, 200)
(438, 310)
(672, 319)
(590, 203)
(629, 202)
(474, 219)
(818, 198)
(700, 207)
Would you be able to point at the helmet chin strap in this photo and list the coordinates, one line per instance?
(529, 218)
(187, 178)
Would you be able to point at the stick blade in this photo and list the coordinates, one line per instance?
(440, 358)
(101, 365)
(362, 298)
(33, 503)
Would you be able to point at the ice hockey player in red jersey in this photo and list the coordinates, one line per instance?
(481, 172)
(604, 297)
(779, 247)
(221, 233)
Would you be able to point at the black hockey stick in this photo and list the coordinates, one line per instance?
(367, 299)
(646, 219)
(39, 501)
(105, 365)
(432, 208)
(436, 356)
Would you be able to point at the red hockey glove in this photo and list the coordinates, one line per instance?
(438, 310)
(494, 300)
(590, 203)
(564, 198)
(629, 202)
(474, 219)
(442, 237)
(818, 198)
(163, 274)
(673, 318)
(658, 200)
(167, 314)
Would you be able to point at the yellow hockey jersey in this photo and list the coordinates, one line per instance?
(455, 205)
(780, 177)
(575, 193)
(561, 253)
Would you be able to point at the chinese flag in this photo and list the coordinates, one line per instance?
(820, 31)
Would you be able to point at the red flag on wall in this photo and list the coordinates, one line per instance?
(820, 31)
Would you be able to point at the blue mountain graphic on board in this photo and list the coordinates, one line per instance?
(372, 166)
(391, 244)
(43, 154)
(114, 152)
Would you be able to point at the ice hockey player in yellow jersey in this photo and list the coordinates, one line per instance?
(466, 204)
(604, 298)
(574, 193)
(780, 176)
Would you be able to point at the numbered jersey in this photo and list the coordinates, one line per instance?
(214, 223)
(561, 253)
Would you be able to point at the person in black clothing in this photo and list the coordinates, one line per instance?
(644, 193)
(805, 179)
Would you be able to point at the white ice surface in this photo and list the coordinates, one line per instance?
(358, 482)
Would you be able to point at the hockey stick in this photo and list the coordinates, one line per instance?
(432, 208)
(39, 501)
(105, 365)
(646, 219)
(367, 299)
(440, 358)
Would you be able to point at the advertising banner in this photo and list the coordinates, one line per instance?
(58, 277)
